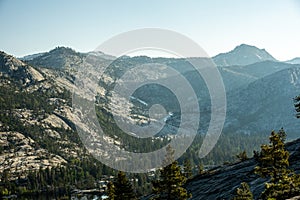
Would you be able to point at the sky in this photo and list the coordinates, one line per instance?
(32, 26)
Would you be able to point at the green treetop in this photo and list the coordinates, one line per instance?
(169, 185)
(123, 188)
(187, 168)
(273, 162)
(111, 191)
(243, 193)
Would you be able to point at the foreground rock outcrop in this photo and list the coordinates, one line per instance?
(221, 182)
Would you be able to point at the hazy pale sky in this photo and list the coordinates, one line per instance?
(31, 26)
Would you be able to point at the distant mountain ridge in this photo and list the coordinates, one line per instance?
(243, 55)
(294, 61)
(31, 56)
(266, 103)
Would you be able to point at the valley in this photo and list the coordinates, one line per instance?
(39, 125)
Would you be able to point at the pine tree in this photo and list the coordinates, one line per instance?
(187, 168)
(111, 191)
(242, 156)
(273, 158)
(123, 188)
(273, 162)
(297, 106)
(169, 186)
(243, 193)
(201, 169)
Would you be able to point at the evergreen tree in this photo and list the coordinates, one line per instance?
(273, 162)
(123, 188)
(242, 156)
(111, 191)
(200, 169)
(243, 193)
(273, 158)
(297, 106)
(169, 186)
(187, 168)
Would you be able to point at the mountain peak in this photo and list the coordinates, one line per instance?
(245, 46)
(243, 54)
(62, 49)
(57, 58)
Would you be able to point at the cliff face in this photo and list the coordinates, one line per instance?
(221, 182)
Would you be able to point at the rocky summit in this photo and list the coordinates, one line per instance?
(243, 55)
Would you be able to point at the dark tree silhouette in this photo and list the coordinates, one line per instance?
(123, 188)
(169, 185)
